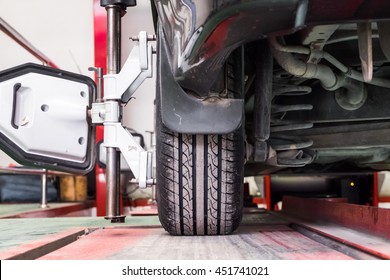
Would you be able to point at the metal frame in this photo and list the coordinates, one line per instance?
(119, 88)
(119, 85)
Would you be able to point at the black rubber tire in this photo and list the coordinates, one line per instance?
(199, 182)
(200, 177)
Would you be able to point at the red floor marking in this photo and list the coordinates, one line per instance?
(117, 243)
(34, 247)
(100, 244)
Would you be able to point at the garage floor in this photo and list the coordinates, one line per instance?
(264, 239)
(262, 235)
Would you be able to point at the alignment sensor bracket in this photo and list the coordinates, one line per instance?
(118, 89)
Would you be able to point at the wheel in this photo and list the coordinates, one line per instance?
(199, 181)
(200, 177)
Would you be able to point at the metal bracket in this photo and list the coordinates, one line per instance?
(115, 136)
(121, 87)
(136, 69)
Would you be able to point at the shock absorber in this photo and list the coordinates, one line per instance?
(288, 150)
(274, 141)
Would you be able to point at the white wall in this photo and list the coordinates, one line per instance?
(384, 184)
(63, 31)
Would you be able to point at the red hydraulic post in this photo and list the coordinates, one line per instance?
(375, 191)
(100, 31)
(267, 187)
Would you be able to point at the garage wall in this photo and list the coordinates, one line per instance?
(62, 30)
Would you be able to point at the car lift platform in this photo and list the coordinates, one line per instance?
(30, 210)
(305, 229)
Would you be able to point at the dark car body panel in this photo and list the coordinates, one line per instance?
(201, 34)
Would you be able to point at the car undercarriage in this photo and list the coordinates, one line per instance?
(303, 82)
(243, 88)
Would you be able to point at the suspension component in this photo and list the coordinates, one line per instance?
(285, 149)
(325, 74)
(263, 98)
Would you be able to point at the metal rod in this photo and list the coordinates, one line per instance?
(113, 157)
(31, 171)
(99, 82)
(18, 38)
(365, 49)
(112, 184)
(44, 191)
(113, 38)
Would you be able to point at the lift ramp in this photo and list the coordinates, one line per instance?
(305, 229)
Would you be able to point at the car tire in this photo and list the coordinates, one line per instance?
(199, 182)
(200, 177)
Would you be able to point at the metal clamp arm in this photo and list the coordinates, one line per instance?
(134, 154)
(136, 69)
(121, 87)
